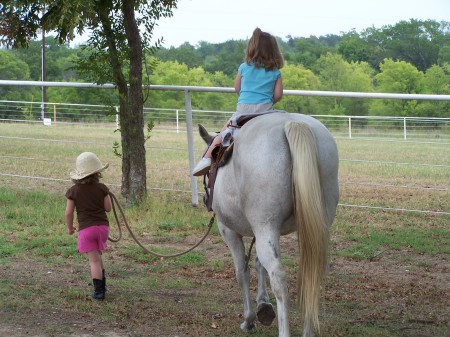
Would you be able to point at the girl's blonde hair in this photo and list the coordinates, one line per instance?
(263, 51)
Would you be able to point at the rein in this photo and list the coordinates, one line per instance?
(115, 201)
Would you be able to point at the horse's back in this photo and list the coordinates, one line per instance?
(256, 184)
(262, 142)
(326, 145)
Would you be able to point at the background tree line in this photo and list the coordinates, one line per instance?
(408, 57)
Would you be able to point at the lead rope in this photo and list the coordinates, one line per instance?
(247, 257)
(115, 201)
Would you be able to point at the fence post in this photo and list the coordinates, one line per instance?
(54, 114)
(190, 138)
(178, 129)
(404, 128)
(350, 127)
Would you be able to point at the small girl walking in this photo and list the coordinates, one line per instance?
(90, 198)
(258, 84)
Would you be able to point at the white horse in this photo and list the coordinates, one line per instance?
(282, 177)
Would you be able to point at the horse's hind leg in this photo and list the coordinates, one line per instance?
(268, 251)
(264, 309)
(236, 245)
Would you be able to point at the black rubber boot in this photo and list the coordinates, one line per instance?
(104, 279)
(99, 289)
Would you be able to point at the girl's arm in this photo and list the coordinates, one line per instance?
(107, 203)
(278, 90)
(70, 207)
(237, 83)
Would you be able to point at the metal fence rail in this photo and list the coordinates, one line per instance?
(431, 130)
(175, 119)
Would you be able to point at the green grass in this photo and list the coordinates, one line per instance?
(33, 234)
(37, 205)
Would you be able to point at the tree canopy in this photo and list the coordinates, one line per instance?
(114, 53)
(343, 62)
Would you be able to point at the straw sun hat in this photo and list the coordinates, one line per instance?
(87, 163)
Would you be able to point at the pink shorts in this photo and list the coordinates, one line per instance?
(93, 238)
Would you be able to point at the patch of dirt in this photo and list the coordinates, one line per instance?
(398, 293)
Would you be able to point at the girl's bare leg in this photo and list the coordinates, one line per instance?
(96, 264)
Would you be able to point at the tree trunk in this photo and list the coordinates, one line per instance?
(134, 186)
(131, 103)
(134, 182)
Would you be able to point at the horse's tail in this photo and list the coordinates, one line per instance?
(310, 217)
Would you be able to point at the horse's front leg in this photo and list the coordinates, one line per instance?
(236, 245)
(264, 309)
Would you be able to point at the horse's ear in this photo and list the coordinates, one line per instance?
(205, 134)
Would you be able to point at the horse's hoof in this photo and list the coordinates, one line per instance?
(248, 327)
(265, 313)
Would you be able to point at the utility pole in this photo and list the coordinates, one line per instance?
(44, 76)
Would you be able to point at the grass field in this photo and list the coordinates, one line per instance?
(389, 269)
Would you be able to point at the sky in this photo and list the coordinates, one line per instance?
(217, 21)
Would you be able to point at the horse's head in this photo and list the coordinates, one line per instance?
(206, 136)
